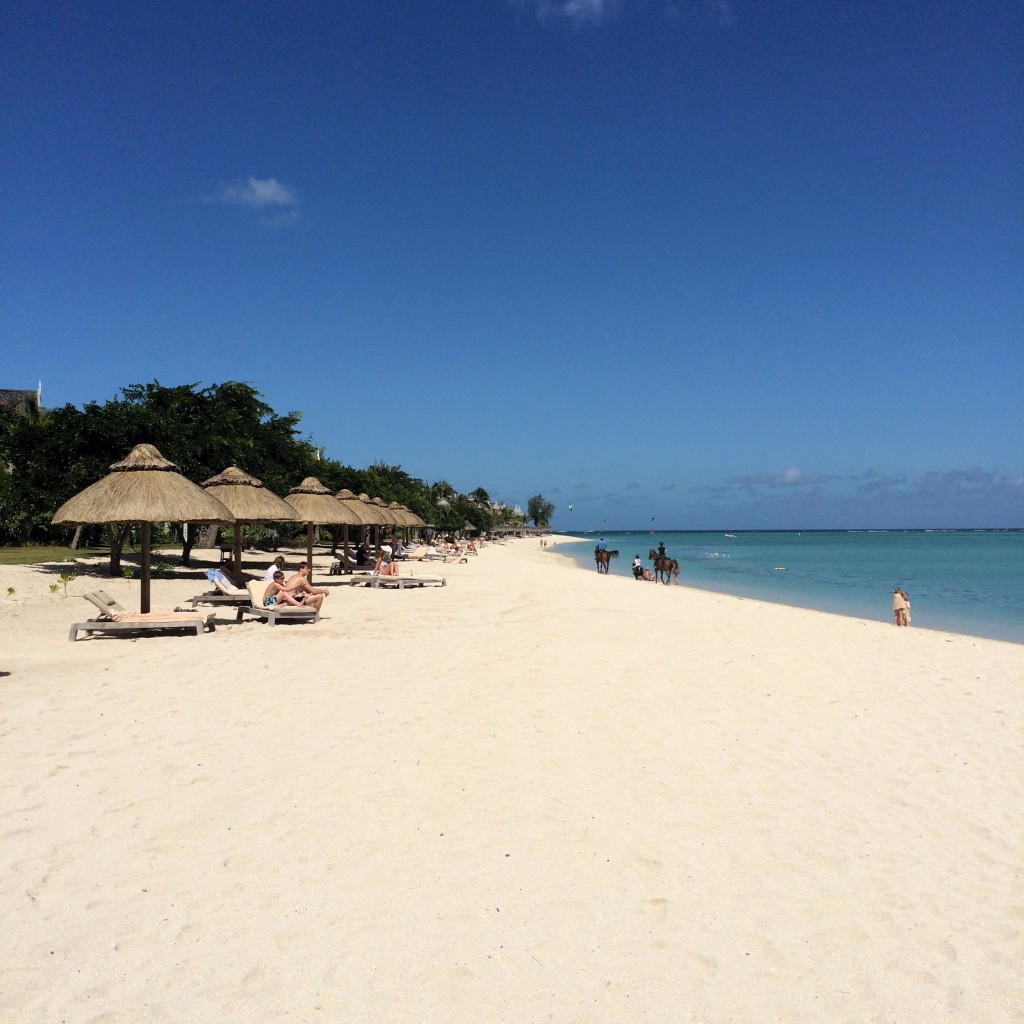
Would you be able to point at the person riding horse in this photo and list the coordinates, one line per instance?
(663, 565)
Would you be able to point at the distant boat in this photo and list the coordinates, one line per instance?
(733, 535)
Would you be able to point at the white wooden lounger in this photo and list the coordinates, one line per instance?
(115, 619)
(398, 582)
(275, 613)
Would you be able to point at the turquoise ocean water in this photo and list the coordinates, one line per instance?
(964, 581)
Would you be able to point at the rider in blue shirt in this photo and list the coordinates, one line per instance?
(602, 545)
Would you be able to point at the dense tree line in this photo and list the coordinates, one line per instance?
(48, 456)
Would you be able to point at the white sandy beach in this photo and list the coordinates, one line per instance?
(536, 794)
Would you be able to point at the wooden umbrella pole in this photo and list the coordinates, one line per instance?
(145, 570)
(236, 554)
(309, 550)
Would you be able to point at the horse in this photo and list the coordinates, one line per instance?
(603, 558)
(667, 567)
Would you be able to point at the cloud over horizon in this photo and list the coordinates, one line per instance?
(258, 194)
(719, 12)
(571, 10)
(937, 498)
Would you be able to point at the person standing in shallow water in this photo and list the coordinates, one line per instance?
(899, 607)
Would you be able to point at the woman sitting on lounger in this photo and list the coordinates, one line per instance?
(277, 593)
(384, 566)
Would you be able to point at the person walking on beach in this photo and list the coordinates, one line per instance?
(899, 607)
(906, 611)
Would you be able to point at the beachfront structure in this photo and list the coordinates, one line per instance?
(25, 402)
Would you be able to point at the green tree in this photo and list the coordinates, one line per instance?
(203, 430)
(540, 510)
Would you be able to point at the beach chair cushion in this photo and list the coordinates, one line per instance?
(225, 586)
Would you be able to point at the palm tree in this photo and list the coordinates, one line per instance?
(442, 491)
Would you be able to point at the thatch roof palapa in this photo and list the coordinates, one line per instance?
(357, 508)
(143, 488)
(249, 501)
(389, 517)
(401, 515)
(316, 505)
(379, 518)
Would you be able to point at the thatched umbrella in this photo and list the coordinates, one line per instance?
(250, 502)
(365, 516)
(408, 518)
(417, 520)
(143, 488)
(391, 520)
(316, 506)
(374, 508)
(376, 514)
(402, 514)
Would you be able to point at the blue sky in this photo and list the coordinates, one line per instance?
(724, 264)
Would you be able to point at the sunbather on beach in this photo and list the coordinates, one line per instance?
(384, 566)
(277, 593)
(303, 591)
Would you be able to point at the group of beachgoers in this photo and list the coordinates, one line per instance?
(296, 591)
(900, 607)
(639, 570)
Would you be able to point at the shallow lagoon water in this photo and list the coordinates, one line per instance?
(963, 581)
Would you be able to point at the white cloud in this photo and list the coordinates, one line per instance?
(721, 12)
(259, 193)
(791, 477)
(570, 10)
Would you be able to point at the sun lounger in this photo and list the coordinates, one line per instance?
(423, 553)
(341, 567)
(275, 613)
(398, 582)
(115, 619)
(224, 593)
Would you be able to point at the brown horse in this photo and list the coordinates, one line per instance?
(667, 567)
(603, 558)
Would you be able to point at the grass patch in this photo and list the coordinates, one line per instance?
(34, 553)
